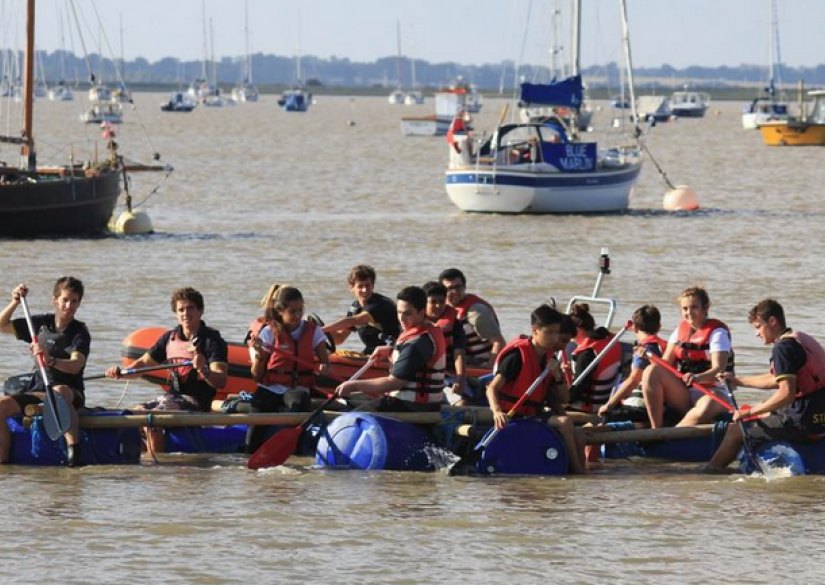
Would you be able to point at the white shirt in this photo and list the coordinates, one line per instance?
(719, 340)
(267, 337)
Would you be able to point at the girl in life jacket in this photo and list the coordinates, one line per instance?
(595, 389)
(284, 383)
(700, 348)
(520, 363)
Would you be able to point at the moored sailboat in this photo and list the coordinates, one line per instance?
(543, 167)
(70, 199)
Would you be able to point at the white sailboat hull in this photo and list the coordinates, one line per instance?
(540, 188)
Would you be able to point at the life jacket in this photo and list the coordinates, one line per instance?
(811, 377)
(180, 350)
(603, 377)
(653, 343)
(693, 350)
(447, 323)
(282, 370)
(255, 327)
(428, 387)
(531, 369)
(477, 348)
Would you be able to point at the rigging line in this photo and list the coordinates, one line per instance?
(155, 190)
(521, 54)
(655, 162)
(82, 43)
(119, 75)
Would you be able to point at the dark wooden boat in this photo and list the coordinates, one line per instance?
(36, 201)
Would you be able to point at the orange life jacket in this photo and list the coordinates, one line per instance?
(254, 330)
(693, 349)
(531, 369)
(603, 377)
(811, 377)
(636, 397)
(447, 323)
(428, 386)
(477, 347)
(287, 372)
(180, 350)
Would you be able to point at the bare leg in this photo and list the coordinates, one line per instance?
(661, 387)
(8, 408)
(572, 443)
(730, 446)
(73, 434)
(705, 410)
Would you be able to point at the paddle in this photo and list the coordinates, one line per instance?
(282, 444)
(57, 417)
(660, 362)
(131, 371)
(495, 431)
(749, 453)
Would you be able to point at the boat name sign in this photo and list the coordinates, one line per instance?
(571, 157)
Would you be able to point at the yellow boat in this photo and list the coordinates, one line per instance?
(809, 130)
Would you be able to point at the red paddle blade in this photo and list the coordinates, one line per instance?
(276, 450)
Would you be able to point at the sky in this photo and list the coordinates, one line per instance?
(702, 32)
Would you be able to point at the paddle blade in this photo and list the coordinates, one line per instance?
(276, 450)
(57, 417)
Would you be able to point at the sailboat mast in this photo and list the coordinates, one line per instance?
(205, 42)
(27, 150)
(629, 60)
(577, 29)
(246, 37)
(398, 55)
(771, 46)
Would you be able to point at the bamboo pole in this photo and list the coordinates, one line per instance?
(479, 415)
(603, 435)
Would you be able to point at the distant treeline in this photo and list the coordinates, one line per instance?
(274, 70)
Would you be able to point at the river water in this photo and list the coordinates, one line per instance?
(261, 196)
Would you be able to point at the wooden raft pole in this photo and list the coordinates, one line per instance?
(603, 435)
(479, 415)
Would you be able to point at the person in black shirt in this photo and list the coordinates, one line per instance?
(372, 314)
(795, 412)
(191, 387)
(64, 343)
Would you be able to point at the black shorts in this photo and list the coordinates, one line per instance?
(290, 401)
(392, 404)
(776, 427)
(23, 399)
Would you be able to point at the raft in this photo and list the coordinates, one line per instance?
(99, 446)
(343, 364)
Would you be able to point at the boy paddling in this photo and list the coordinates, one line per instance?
(64, 343)
(795, 411)
(192, 387)
(520, 363)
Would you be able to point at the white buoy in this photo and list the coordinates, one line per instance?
(682, 198)
(131, 223)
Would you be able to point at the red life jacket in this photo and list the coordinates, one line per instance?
(477, 347)
(428, 387)
(693, 350)
(603, 377)
(811, 377)
(531, 369)
(287, 372)
(255, 327)
(447, 323)
(180, 350)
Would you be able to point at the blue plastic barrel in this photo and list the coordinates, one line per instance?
(775, 455)
(525, 447)
(364, 441)
(99, 446)
(230, 439)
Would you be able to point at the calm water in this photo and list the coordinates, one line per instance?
(261, 196)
